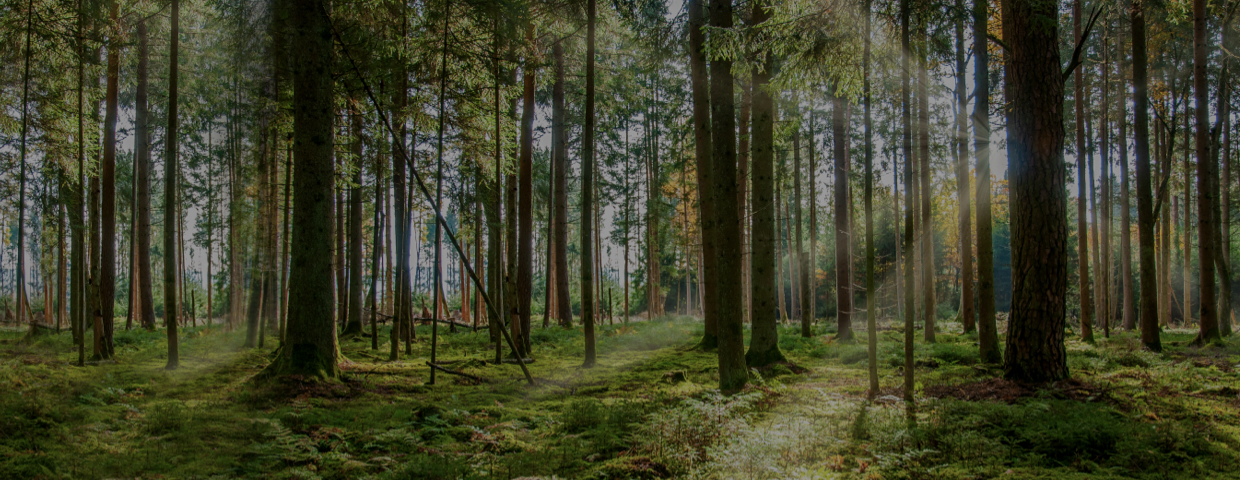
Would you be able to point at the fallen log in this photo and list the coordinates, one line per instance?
(454, 372)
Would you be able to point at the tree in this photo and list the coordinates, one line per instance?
(1209, 328)
(353, 326)
(559, 158)
(906, 147)
(525, 210)
(587, 196)
(732, 371)
(962, 181)
(1145, 193)
(871, 322)
(310, 347)
(987, 334)
(1034, 85)
(107, 200)
(702, 149)
(1082, 233)
(843, 229)
(764, 334)
(171, 205)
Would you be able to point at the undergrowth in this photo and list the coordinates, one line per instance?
(648, 410)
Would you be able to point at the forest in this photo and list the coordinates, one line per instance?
(635, 239)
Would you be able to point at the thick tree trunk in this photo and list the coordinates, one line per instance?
(142, 172)
(703, 151)
(107, 194)
(1209, 330)
(310, 341)
(1145, 193)
(1034, 85)
(732, 371)
(525, 215)
(843, 230)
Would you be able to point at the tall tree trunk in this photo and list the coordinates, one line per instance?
(703, 152)
(20, 280)
(1145, 193)
(732, 372)
(171, 202)
(401, 321)
(107, 194)
(310, 341)
(1082, 232)
(1034, 86)
(843, 230)
(1106, 313)
(284, 255)
(1209, 330)
(742, 197)
(870, 293)
(906, 144)
(525, 215)
(1222, 183)
(438, 209)
(1186, 234)
(587, 195)
(987, 333)
(559, 144)
(812, 261)
(354, 324)
(962, 183)
(930, 304)
(1125, 215)
(77, 203)
(142, 172)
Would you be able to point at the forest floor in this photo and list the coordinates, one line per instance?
(648, 410)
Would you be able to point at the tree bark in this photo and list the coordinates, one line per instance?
(987, 333)
(1125, 217)
(107, 194)
(354, 324)
(525, 215)
(563, 296)
(965, 231)
(142, 172)
(732, 371)
(1209, 328)
(1082, 231)
(929, 303)
(843, 230)
(171, 202)
(1145, 194)
(703, 152)
(310, 341)
(587, 197)
(1034, 86)
(906, 144)
(870, 293)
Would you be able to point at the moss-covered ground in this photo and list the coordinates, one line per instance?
(647, 411)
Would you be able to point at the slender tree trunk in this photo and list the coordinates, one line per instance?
(310, 341)
(910, 306)
(1106, 312)
(742, 197)
(1034, 86)
(703, 152)
(587, 195)
(1222, 184)
(870, 293)
(354, 324)
(142, 155)
(927, 215)
(563, 296)
(284, 255)
(1145, 194)
(1082, 232)
(171, 202)
(525, 219)
(962, 183)
(1186, 234)
(20, 291)
(77, 202)
(1125, 215)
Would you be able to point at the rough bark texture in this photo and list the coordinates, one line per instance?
(962, 183)
(702, 149)
(843, 230)
(732, 372)
(764, 332)
(310, 347)
(1125, 239)
(929, 302)
(1034, 85)
(987, 333)
(525, 199)
(1145, 193)
(142, 171)
(559, 142)
(172, 175)
(906, 148)
(587, 197)
(871, 322)
(107, 199)
(1209, 329)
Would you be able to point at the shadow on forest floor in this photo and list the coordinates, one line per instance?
(648, 410)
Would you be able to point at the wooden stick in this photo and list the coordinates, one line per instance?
(454, 372)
